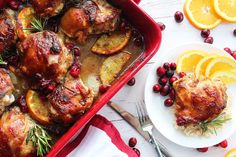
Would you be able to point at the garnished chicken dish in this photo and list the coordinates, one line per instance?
(56, 58)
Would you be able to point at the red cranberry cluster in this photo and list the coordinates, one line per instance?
(222, 144)
(232, 53)
(205, 33)
(165, 82)
(132, 144)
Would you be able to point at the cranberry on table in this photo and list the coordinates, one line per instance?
(228, 50)
(132, 142)
(205, 149)
(172, 94)
(169, 102)
(182, 74)
(234, 32)
(179, 17)
(209, 40)
(137, 151)
(156, 88)
(103, 88)
(173, 66)
(165, 90)
(131, 82)
(223, 144)
(170, 73)
(162, 81)
(161, 71)
(173, 79)
(161, 25)
(205, 33)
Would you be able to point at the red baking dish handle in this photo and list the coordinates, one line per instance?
(137, 1)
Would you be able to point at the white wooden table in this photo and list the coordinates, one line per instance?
(174, 35)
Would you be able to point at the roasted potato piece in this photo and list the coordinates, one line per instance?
(112, 66)
(109, 44)
(24, 20)
(37, 108)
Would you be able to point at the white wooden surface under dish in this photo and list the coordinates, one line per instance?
(174, 35)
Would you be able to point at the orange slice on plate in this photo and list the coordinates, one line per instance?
(226, 9)
(201, 13)
(188, 60)
(225, 76)
(231, 153)
(37, 108)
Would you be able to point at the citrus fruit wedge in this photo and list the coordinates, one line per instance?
(188, 60)
(226, 9)
(231, 153)
(201, 13)
(225, 76)
(37, 108)
(221, 63)
(202, 64)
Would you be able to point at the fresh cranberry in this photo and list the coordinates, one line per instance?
(76, 51)
(162, 81)
(70, 46)
(182, 74)
(22, 104)
(205, 149)
(234, 54)
(161, 25)
(103, 88)
(165, 90)
(169, 102)
(234, 32)
(223, 144)
(217, 145)
(166, 66)
(181, 121)
(156, 88)
(169, 73)
(161, 71)
(228, 50)
(173, 66)
(14, 4)
(173, 79)
(131, 82)
(132, 142)
(172, 94)
(137, 151)
(179, 17)
(209, 40)
(205, 33)
(75, 71)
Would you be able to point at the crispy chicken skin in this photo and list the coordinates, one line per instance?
(8, 35)
(198, 100)
(70, 100)
(48, 8)
(6, 89)
(45, 54)
(91, 17)
(14, 128)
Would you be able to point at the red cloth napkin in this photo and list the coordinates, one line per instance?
(98, 127)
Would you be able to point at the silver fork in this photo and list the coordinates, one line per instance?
(147, 125)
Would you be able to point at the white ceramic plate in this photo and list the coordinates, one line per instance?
(163, 117)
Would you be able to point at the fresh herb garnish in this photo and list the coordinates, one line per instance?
(210, 126)
(40, 139)
(1, 61)
(37, 25)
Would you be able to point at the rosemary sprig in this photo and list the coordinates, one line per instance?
(1, 61)
(210, 126)
(37, 25)
(40, 139)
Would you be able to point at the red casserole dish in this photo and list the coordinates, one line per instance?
(152, 40)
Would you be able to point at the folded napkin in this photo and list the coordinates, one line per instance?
(99, 138)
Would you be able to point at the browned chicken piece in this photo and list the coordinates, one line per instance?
(198, 100)
(6, 89)
(70, 100)
(48, 8)
(92, 17)
(44, 53)
(14, 129)
(8, 35)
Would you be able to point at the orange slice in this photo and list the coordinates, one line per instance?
(37, 109)
(226, 9)
(225, 76)
(201, 13)
(231, 153)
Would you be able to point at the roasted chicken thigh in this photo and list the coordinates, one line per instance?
(8, 34)
(198, 100)
(14, 129)
(6, 89)
(44, 53)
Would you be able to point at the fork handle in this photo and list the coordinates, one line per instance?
(157, 148)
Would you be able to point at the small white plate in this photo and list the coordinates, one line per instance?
(163, 117)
